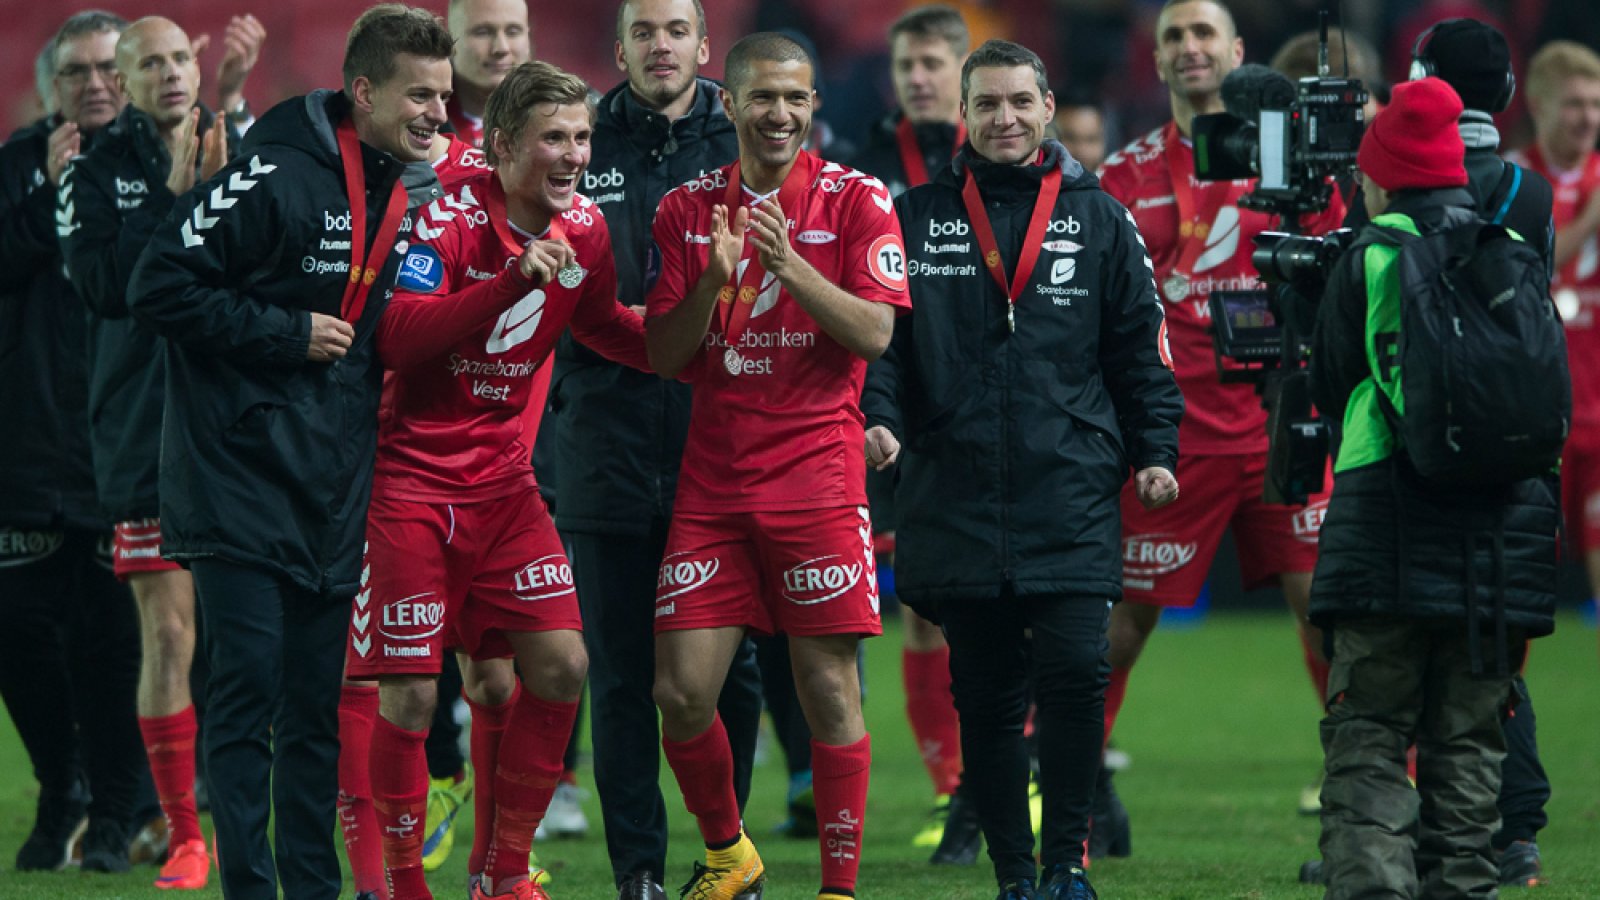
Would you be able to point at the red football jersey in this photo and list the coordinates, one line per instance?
(1576, 287)
(1217, 418)
(786, 431)
(458, 421)
(461, 162)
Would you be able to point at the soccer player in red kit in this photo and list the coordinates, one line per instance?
(780, 276)
(1564, 96)
(454, 161)
(1200, 241)
(460, 546)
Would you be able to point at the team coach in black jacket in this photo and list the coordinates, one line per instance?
(271, 423)
(1021, 413)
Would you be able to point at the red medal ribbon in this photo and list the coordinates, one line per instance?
(735, 316)
(1032, 242)
(364, 271)
(494, 202)
(1191, 228)
(905, 137)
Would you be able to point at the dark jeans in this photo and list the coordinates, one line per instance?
(995, 668)
(276, 654)
(1395, 682)
(616, 580)
(69, 665)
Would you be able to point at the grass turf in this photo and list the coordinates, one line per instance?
(1220, 723)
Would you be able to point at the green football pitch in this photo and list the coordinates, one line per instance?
(1222, 730)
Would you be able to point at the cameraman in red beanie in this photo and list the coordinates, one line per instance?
(1429, 592)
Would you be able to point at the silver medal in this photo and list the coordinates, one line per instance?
(732, 361)
(1176, 287)
(570, 275)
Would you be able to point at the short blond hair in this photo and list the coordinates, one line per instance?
(1555, 63)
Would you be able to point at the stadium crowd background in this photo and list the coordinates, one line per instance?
(1099, 50)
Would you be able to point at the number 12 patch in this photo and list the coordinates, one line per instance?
(887, 262)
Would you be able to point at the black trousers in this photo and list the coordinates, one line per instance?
(616, 580)
(69, 665)
(1524, 787)
(276, 654)
(993, 665)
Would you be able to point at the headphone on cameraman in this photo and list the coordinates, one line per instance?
(1423, 66)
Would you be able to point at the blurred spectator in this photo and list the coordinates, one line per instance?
(1080, 125)
(1349, 56)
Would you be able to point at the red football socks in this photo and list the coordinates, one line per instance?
(703, 766)
(839, 783)
(399, 770)
(169, 743)
(932, 712)
(363, 845)
(525, 779)
(488, 728)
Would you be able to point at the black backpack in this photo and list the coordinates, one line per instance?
(1485, 394)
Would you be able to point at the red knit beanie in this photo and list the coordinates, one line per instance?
(1414, 142)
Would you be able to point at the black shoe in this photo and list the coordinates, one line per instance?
(1068, 883)
(640, 886)
(1110, 833)
(105, 847)
(1520, 866)
(963, 837)
(1017, 889)
(59, 819)
(1311, 873)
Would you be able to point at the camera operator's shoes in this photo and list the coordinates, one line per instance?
(60, 819)
(1110, 833)
(1017, 889)
(732, 874)
(1067, 883)
(1520, 865)
(1311, 872)
(962, 838)
(446, 797)
(187, 868)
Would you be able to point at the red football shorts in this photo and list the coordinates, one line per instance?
(1167, 553)
(136, 548)
(1580, 491)
(457, 575)
(801, 572)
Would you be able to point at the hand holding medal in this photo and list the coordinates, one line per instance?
(547, 261)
